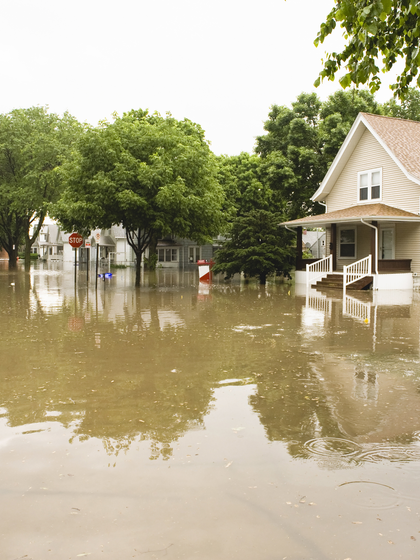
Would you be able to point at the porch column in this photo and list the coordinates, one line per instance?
(299, 248)
(333, 246)
(373, 247)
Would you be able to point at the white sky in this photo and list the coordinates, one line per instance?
(220, 63)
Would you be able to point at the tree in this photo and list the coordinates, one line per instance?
(408, 108)
(294, 156)
(257, 246)
(338, 114)
(153, 175)
(291, 153)
(33, 143)
(302, 141)
(374, 29)
(242, 182)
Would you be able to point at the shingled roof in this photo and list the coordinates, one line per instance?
(399, 137)
(369, 212)
(402, 138)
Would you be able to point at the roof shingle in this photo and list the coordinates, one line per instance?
(402, 137)
(366, 211)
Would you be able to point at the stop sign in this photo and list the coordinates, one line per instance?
(76, 240)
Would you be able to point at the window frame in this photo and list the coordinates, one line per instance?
(170, 254)
(343, 228)
(369, 173)
(195, 249)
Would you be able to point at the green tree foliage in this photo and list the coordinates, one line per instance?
(257, 246)
(153, 175)
(377, 32)
(302, 141)
(243, 184)
(33, 143)
(408, 108)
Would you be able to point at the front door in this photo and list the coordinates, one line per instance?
(387, 243)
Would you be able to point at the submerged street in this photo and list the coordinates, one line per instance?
(185, 421)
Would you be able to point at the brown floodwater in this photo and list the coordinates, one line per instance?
(180, 421)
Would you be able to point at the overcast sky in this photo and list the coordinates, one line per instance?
(220, 63)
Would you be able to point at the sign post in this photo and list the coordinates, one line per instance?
(87, 247)
(97, 239)
(75, 241)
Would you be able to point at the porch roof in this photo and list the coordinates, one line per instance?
(373, 212)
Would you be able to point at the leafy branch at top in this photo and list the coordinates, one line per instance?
(377, 32)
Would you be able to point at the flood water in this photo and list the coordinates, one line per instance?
(231, 422)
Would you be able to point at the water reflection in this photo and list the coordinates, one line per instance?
(241, 402)
(125, 365)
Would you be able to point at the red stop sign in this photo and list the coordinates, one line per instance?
(76, 240)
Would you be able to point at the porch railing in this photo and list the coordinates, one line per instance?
(356, 271)
(318, 269)
(357, 309)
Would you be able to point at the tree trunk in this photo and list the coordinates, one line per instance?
(152, 260)
(28, 245)
(11, 235)
(138, 243)
(263, 278)
(13, 254)
(138, 269)
(29, 241)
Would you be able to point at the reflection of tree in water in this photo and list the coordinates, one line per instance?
(135, 386)
(144, 379)
(292, 408)
(146, 369)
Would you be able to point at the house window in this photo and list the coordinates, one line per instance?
(348, 243)
(194, 254)
(167, 255)
(370, 183)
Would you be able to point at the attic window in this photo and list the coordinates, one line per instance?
(370, 183)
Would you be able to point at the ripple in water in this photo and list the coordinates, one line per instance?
(333, 447)
(368, 494)
(393, 454)
(338, 448)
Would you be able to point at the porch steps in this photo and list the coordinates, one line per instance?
(335, 282)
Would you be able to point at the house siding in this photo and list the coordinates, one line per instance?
(407, 244)
(397, 190)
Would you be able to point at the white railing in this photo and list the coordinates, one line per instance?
(357, 309)
(356, 270)
(318, 302)
(318, 269)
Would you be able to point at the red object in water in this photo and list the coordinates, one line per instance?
(204, 270)
(76, 324)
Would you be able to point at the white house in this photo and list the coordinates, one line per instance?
(372, 198)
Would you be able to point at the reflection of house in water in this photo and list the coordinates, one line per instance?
(369, 371)
(379, 312)
(315, 315)
(366, 385)
(166, 319)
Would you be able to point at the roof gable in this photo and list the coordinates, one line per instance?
(400, 138)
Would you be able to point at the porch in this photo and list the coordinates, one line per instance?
(388, 236)
(385, 266)
(359, 275)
